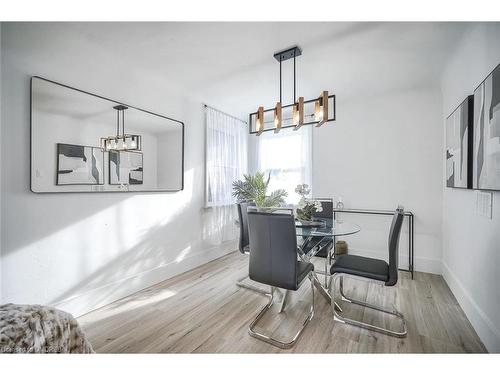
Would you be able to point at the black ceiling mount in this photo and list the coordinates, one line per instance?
(120, 107)
(289, 53)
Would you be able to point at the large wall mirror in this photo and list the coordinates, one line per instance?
(82, 142)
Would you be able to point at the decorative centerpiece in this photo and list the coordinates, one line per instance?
(306, 208)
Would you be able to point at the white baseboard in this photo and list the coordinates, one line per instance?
(422, 264)
(96, 298)
(483, 325)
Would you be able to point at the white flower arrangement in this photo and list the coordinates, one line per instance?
(302, 190)
(306, 207)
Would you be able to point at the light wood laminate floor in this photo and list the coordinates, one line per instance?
(203, 311)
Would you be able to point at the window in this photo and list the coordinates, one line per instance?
(226, 156)
(287, 157)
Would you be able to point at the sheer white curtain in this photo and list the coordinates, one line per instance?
(287, 156)
(226, 161)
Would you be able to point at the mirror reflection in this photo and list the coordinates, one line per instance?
(85, 143)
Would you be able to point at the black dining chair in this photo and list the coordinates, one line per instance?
(371, 270)
(326, 213)
(244, 242)
(274, 261)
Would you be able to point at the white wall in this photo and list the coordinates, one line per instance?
(381, 152)
(0, 163)
(471, 243)
(170, 150)
(80, 251)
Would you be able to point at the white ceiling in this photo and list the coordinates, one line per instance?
(62, 101)
(231, 65)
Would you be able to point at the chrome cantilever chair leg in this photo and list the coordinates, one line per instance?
(283, 300)
(255, 289)
(338, 317)
(326, 270)
(273, 341)
(328, 264)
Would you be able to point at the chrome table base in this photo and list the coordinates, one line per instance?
(323, 291)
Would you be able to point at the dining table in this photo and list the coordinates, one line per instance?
(314, 236)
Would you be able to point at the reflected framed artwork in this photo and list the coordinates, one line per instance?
(125, 168)
(79, 165)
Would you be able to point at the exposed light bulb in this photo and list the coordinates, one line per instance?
(295, 114)
(277, 117)
(298, 113)
(317, 110)
(322, 109)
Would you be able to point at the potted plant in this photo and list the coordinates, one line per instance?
(306, 208)
(253, 188)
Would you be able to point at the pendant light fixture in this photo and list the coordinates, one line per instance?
(122, 141)
(302, 112)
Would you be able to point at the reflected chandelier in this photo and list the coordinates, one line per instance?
(121, 142)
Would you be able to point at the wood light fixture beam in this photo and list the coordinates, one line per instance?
(260, 120)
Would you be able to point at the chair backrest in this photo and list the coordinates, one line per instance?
(243, 220)
(273, 258)
(327, 204)
(393, 244)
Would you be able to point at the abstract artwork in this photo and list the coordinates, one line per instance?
(459, 145)
(125, 167)
(79, 165)
(486, 163)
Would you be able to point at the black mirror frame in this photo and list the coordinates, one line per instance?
(114, 101)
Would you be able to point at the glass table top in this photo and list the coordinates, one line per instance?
(330, 229)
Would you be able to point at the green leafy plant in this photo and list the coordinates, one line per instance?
(254, 188)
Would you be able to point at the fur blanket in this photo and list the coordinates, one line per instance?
(40, 329)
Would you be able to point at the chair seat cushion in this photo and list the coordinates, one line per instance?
(375, 269)
(303, 269)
